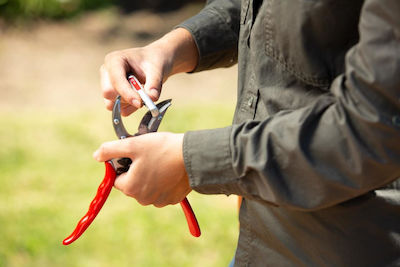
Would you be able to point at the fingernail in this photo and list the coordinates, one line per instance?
(136, 103)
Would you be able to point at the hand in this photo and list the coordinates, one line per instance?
(146, 63)
(152, 65)
(157, 174)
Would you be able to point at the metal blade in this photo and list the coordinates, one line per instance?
(119, 127)
(149, 123)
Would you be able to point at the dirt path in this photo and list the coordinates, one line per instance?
(55, 65)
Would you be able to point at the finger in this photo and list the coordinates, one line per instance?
(121, 181)
(153, 85)
(127, 110)
(159, 204)
(117, 70)
(113, 149)
(106, 86)
(109, 104)
(125, 184)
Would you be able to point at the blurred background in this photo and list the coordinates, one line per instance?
(52, 119)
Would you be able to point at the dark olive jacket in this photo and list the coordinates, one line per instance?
(314, 148)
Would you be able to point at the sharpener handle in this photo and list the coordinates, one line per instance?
(135, 84)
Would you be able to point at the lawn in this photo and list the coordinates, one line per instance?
(48, 178)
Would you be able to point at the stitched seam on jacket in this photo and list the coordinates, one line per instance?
(274, 54)
(188, 162)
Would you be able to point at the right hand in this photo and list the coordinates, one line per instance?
(152, 65)
(149, 64)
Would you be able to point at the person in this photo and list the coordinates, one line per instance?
(314, 148)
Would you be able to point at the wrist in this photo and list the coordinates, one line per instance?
(179, 51)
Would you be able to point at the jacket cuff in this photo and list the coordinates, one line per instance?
(216, 42)
(207, 157)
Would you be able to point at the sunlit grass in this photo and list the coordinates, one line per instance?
(48, 178)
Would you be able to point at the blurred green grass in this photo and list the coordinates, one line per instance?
(50, 9)
(48, 178)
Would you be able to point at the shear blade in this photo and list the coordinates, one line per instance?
(118, 125)
(150, 124)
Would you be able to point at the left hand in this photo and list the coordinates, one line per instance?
(157, 174)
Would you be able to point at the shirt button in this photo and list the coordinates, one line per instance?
(396, 121)
(250, 101)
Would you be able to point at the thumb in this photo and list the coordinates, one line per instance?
(153, 85)
(113, 149)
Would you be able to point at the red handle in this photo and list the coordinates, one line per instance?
(103, 192)
(194, 227)
(95, 206)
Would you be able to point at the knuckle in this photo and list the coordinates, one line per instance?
(109, 108)
(108, 93)
(109, 104)
(127, 190)
(128, 193)
(159, 205)
(112, 55)
(127, 98)
(175, 201)
(144, 202)
(143, 198)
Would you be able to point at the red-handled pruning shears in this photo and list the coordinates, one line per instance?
(149, 123)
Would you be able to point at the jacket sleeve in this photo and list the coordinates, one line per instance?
(343, 145)
(215, 30)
